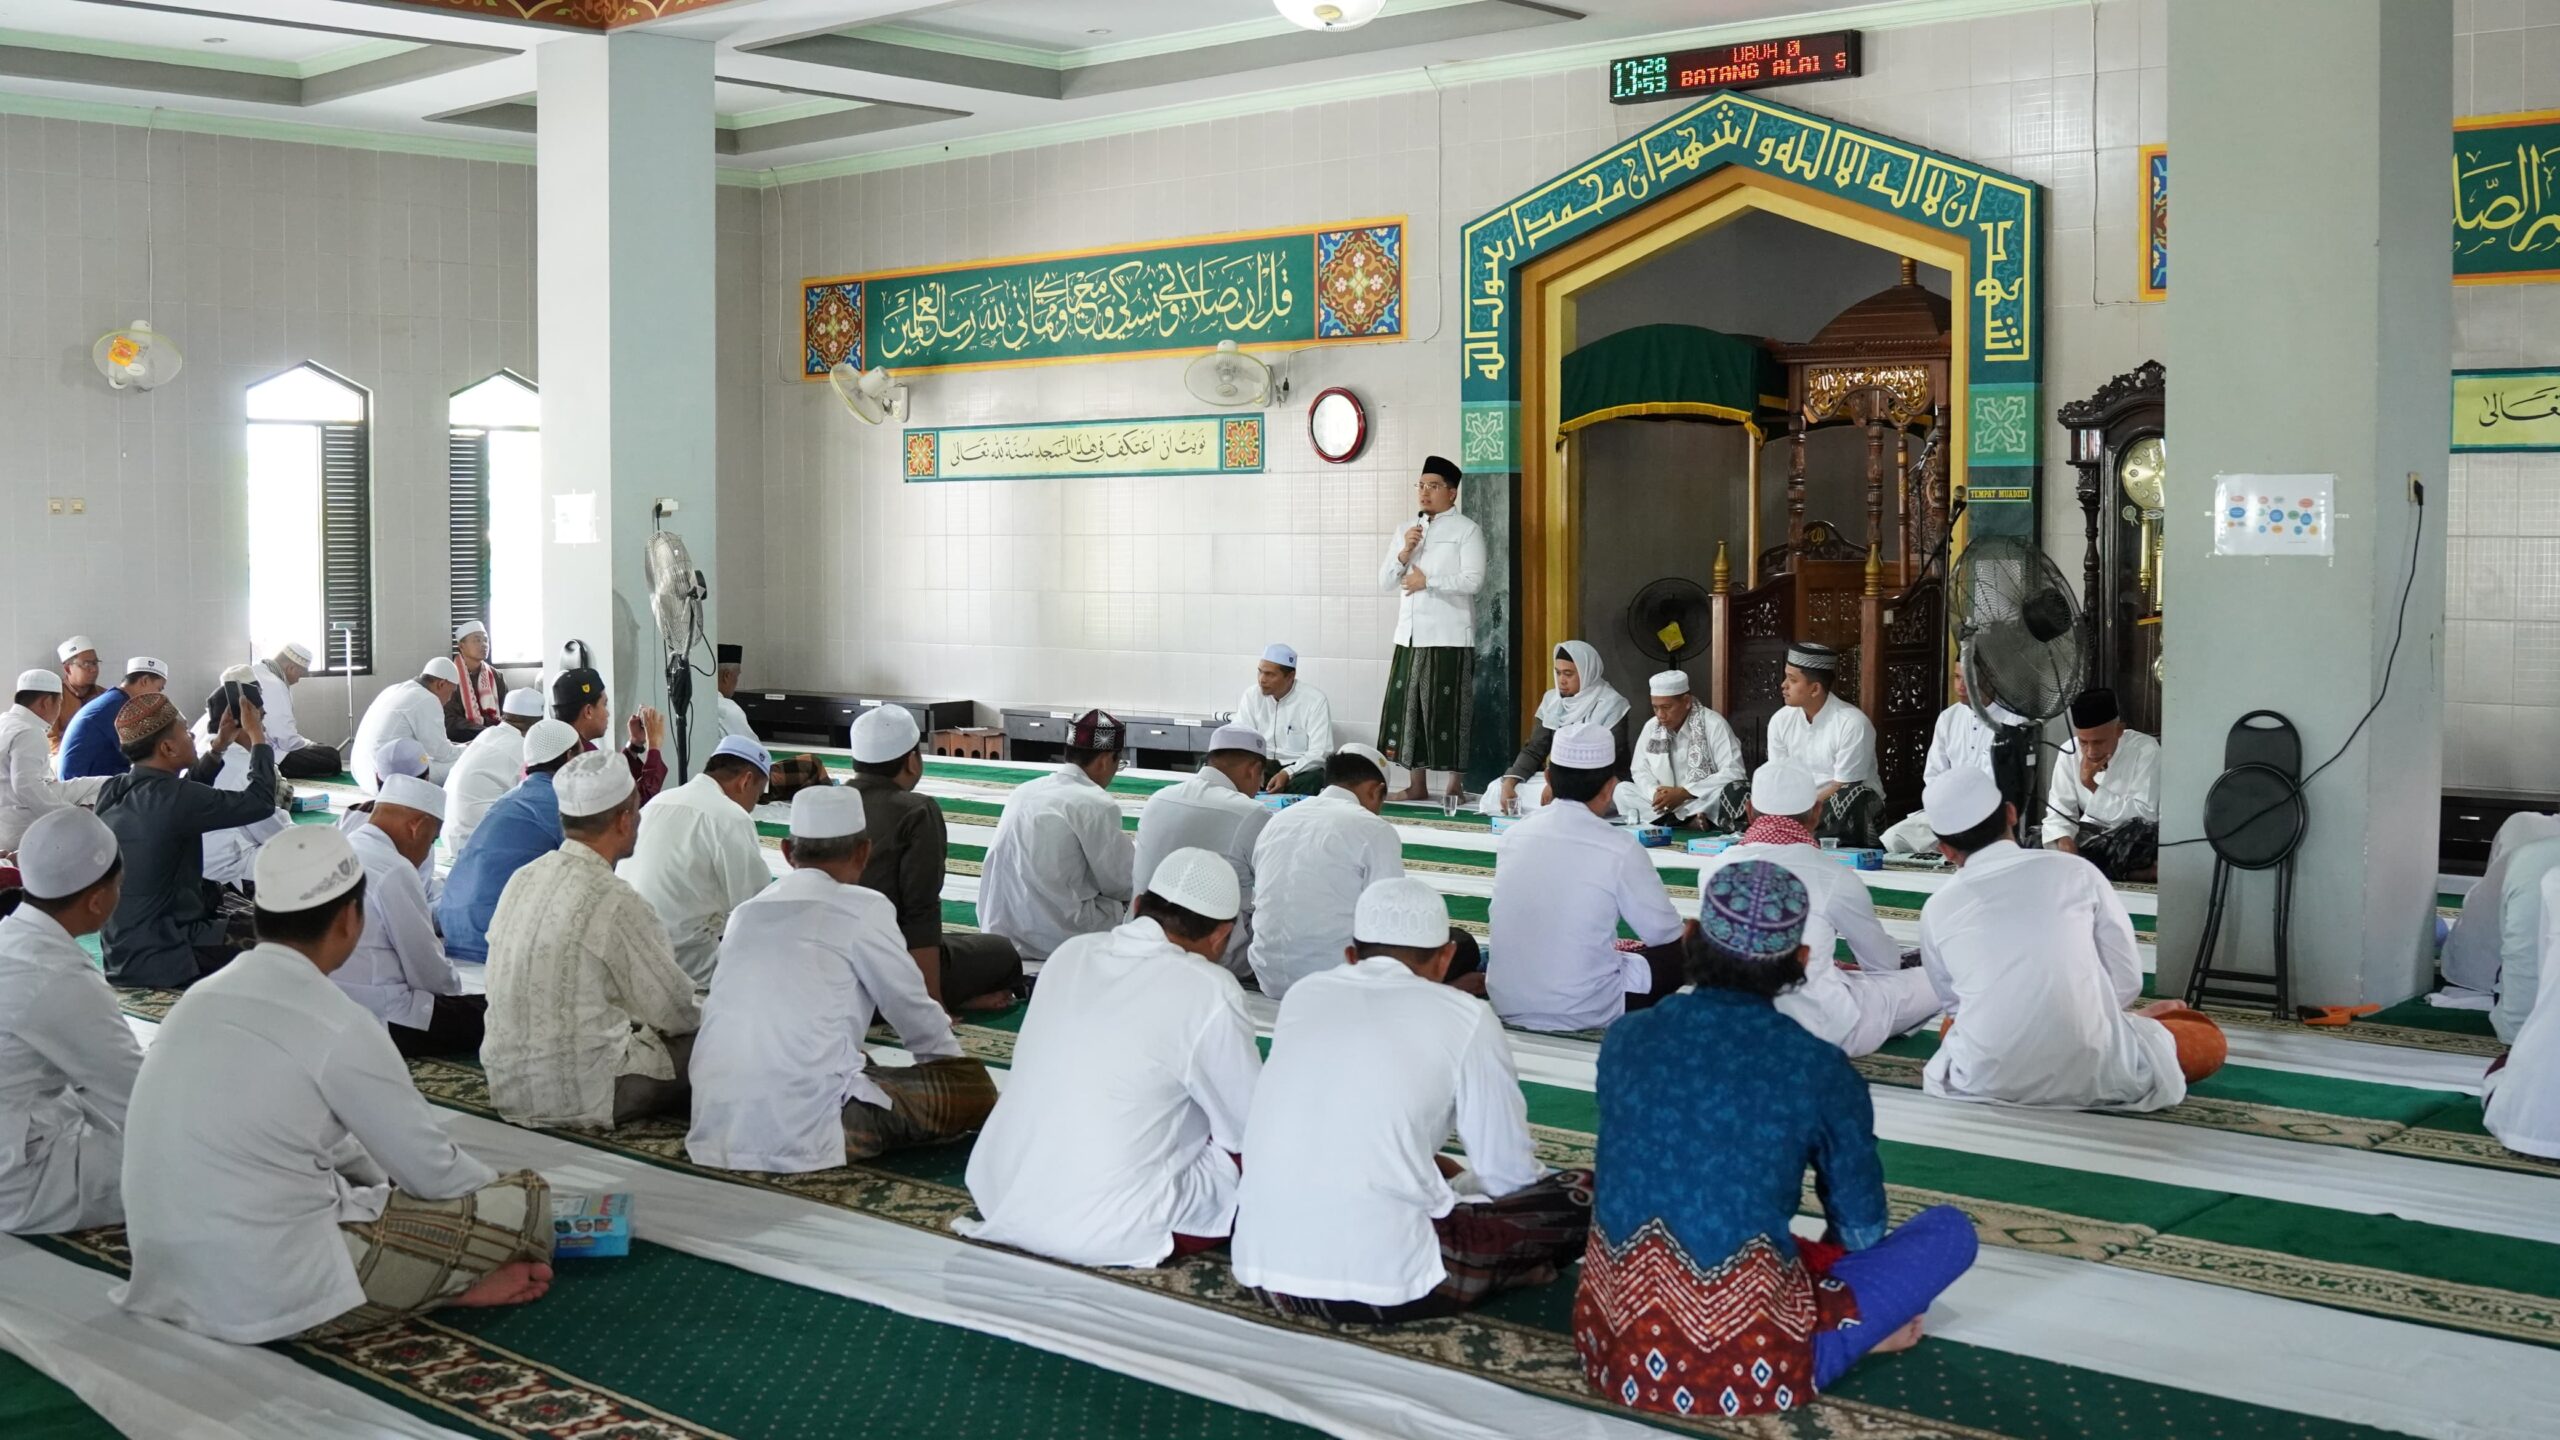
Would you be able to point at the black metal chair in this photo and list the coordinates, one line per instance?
(2254, 818)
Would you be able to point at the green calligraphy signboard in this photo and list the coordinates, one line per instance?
(1341, 284)
(2506, 198)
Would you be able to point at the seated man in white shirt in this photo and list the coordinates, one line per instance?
(399, 970)
(283, 1178)
(2103, 804)
(1115, 1142)
(780, 1081)
(1857, 1010)
(1059, 864)
(2470, 957)
(297, 758)
(1311, 866)
(1830, 738)
(1562, 880)
(730, 716)
(2033, 956)
(28, 789)
(1959, 738)
(411, 708)
(1684, 758)
(1348, 1212)
(1215, 811)
(1294, 720)
(698, 857)
(490, 767)
(67, 1059)
(2521, 1097)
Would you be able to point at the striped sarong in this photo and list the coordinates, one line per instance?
(1425, 723)
(420, 1254)
(930, 1102)
(1524, 1238)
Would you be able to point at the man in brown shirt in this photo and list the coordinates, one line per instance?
(964, 970)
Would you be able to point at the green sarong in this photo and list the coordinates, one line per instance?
(1424, 724)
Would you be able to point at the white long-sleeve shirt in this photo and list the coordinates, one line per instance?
(2032, 953)
(1059, 867)
(275, 710)
(1309, 868)
(2471, 955)
(1702, 757)
(2523, 925)
(1837, 746)
(490, 767)
(2128, 789)
(1960, 738)
(1562, 880)
(1296, 727)
(406, 709)
(1337, 1200)
(1209, 813)
(1451, 558)
(399, 966)
(696, 860)
(67, 1064)
(2521, 1099)
(1125, 1104)
(1842, 901)
(803, 969)
(271, 1109)
(231, 856)
(28, 791)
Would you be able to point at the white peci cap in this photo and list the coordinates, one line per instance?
(44, 680)
(592, 784)
(1782, 787)
(523, 701)
(1584, 747)
(297, 652)
(147, 665)
(1401, 911)
(306, 867)
(744, 747)
(884, 733)
(548, 740)
(1283, 656)
(1669, 682)
(1238, 737)
(467, 629)
(441, 668)
(1959, 799)
(411, 793)
(399, 755)
(73, 646)
(1365, 752)
(64, 853)
(826, 812)
(1199, 881)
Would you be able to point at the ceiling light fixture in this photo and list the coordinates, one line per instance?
(1330, 14)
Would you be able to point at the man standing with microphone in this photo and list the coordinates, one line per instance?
(1438, 564)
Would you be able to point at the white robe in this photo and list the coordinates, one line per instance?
(1562, 880)
(1059, 865)
(1702, 757)
(1309, 867)
(231, 856)
(28, 791)
(2033, 954)
(2471, 951)
(802, 970)
(2128, 789)
(399, 966)
(2521, 1099)
(271, 1110)
(490, 767)
(67, 1064)
(2523, 933)
(731, 719)
(1960, 738)
(1838, 745)
(1297, 728)
(1451, 558)
(406, 709)
(1124, 1107)
(696, 860)
(1209, 813)
(275, 710)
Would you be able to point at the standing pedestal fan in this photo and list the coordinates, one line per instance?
(2020, 629)
(676, 593)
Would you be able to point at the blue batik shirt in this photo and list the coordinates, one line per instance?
(523, 826)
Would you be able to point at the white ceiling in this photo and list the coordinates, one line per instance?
(958, 71)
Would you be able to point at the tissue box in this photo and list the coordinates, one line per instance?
(1858, 859)
(310, 802)
(1279, 802)
(1505, 822)
(1652, 837)
(588, 1227)
(1711, 845)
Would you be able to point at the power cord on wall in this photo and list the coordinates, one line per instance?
(2399, 630)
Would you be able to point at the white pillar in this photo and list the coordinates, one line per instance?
(624, 194)
(2310, 332)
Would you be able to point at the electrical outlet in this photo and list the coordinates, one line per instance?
(79, 505)
(53, 505)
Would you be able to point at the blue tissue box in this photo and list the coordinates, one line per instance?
(309, 802)
(1653, 837)
(590, 1227)
(1280, 801)
(1858, 859)
(1711, 844)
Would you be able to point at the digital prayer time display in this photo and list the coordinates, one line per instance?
(1752, 65)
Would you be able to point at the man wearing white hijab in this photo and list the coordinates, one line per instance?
(780, 1081)
(28, 791)
(1294, 720)
(1215, 811)
(67, 1059)
(411, 708)
(1684, 757)
(1579, 697)
(399, 970)
(490, 766)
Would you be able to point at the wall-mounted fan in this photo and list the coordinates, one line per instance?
(1228, 376)
(1670, 619)
(137, 357)
(872, 395)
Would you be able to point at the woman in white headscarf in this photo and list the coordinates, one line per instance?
(1580, 697)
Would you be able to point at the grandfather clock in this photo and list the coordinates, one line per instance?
(2119, 444)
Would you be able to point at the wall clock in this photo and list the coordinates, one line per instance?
(1338, 426)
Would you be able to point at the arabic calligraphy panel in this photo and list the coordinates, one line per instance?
(1152, 445)
(2506, 410)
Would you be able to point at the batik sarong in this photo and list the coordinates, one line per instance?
(1853, 816)
(1424, 724)
(930, 1102)
(1524, 1238)
(420, 1254)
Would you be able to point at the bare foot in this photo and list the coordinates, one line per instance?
(2158, 1008)
(1414, 793)
(509, 1284)
(993, 1000)
(1902, 1339)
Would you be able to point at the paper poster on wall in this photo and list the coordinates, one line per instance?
(573, 518)
(2275, 515)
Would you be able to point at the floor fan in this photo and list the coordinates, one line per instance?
(676, 593)
(2020, 631)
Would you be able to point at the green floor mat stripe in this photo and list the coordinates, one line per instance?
(33, 1406)
(2361, 1099)
(2416, 1014)
(737, 1354)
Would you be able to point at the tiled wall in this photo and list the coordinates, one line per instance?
(2502, 522)
(410, 275)
(1157, 594)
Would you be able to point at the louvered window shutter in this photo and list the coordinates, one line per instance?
(346, 543)
(467, 528)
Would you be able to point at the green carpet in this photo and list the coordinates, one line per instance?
(33, 1407)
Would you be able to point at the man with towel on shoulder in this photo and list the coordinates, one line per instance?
(522, 826)
(780, 1081)
(67, 1059)
(399, 970)
(1311, 865)
(698, 857)
(283, 1177)
(1293, 718)
(1060, 863)
(1832, 739)
(490, 766)
(1115, 1142)
(1562, 880)
(1348, 1212)
(1684, 758)
(1859, 1009)
(2033, 956)
(909, 844)
(473, 705)
(590, 1017)
(2103, 804)
(1215, 811)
